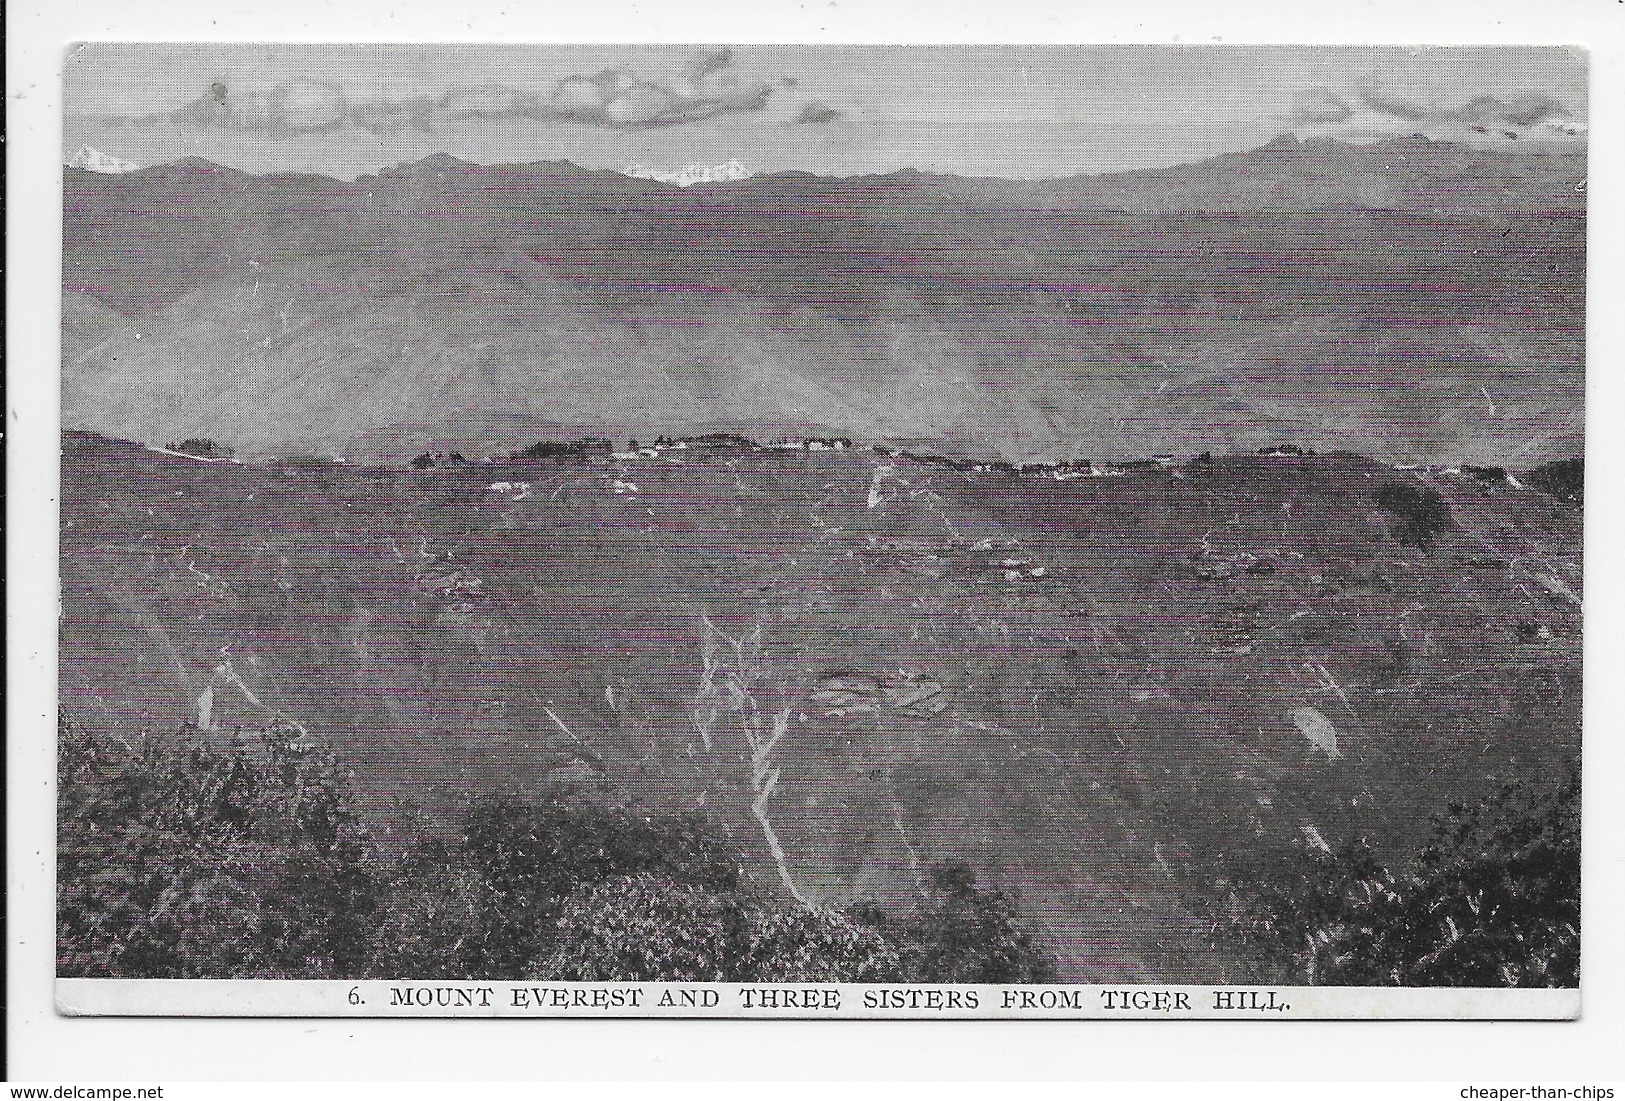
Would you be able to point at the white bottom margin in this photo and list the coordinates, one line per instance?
(806, 1001)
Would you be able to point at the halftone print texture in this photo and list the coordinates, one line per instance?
(815, 514)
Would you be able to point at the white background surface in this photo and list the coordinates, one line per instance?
(44, 1046)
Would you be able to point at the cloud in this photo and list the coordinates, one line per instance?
(705, 64)
(817, 114)
(616, 97)
(584, 96)
(1395, 106)
(489, 101)
(293, 107)
(1522, 110)
(391, 117)
(1375, 113)
(1319, 105)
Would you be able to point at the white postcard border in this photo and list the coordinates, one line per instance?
(47, 1041)
(799, 1001)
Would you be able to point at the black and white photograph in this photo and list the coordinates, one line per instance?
(908, 530)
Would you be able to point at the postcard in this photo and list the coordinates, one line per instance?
(960, 531)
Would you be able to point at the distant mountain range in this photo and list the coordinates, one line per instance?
(1410, 299)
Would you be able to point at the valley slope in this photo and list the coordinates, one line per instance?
(1115, 697)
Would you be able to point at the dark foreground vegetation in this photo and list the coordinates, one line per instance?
(184, 859)
(1494, 900)
(1564, 479)
(1422, 513)
(193, 856)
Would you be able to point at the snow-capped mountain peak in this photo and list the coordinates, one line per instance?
(94, 160)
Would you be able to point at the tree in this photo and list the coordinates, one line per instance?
(801, 944)
(177, 858)
(527, 858)
(554, 449)
(1497, 899)
(645, 929)
(1564, 479)
(1493, 900)
(431, 923)
(966, 934)
(1423, 514)
(202, 447)
(651, 929)
(181, 856)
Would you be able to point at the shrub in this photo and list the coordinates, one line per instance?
(179, 859)
(1487, 475)
(795, 944)
(1423, 514)
(431, 921)
(647, 928)
(1564, 479)
(501, 897)
(528, 858)
(1497, 898)
(1494, 900)
(966, 934)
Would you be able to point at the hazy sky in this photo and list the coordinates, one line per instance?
(976, 110)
